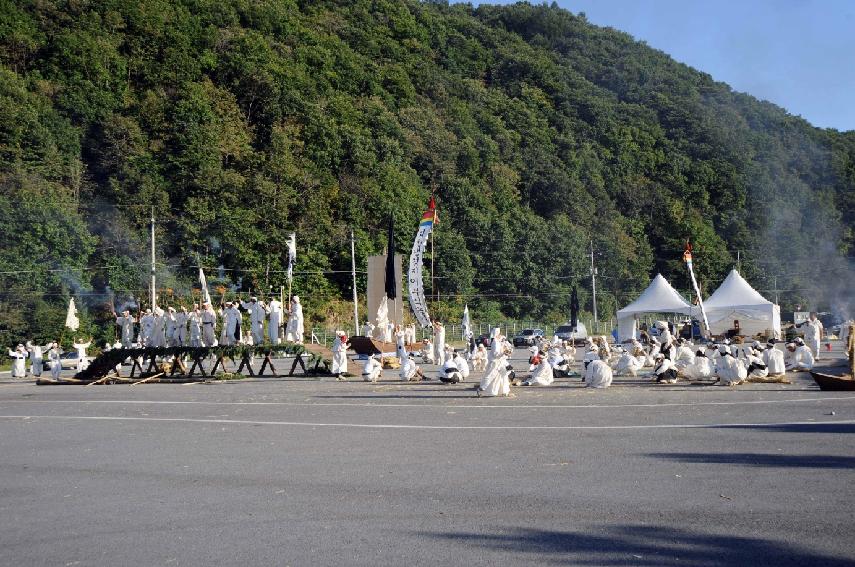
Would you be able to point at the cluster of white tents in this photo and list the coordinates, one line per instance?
(735, 299)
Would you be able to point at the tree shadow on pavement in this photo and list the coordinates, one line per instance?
(661, 546)
(771, 460)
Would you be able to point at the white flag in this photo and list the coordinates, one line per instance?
(292, 256)
(467, 324)
(71, 320)
(206, 296)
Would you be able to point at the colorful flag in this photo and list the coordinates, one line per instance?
(687, 257)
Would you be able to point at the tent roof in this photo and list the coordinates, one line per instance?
(659, 297)
(735, 292)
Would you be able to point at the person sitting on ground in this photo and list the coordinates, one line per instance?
(628, 365)
(560, 368)
(799, 358)
(542, 374)
(774, 359)
(598, 374)
(427, 351)
(372, 369)
(462, 365)
(683, 356)
(449, 373)
(665, 370)
(756, 367)
(590, 356)
(479, 358)
(730, 371)
(700, 369)
(410, 372)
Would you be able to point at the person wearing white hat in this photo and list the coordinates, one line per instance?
(126, 324)
(590, 356)
(542, 374)
(181, 319)
(294, 330)
(495, 381)
(146, 328)
(194, 323)
(158, 330)
(438, 343)
(799, 357)
(230, 333)
(462, 365)
(274, 322)
(665, 370)
(628, 365)
(82, 359)
(729, 370)
(339, 355)
(756, 367)
(36, 355)
(774, 359)
(19, 357)
(257, 312)
(55, 361)
(701, 368)
(479, 358)
(171, 327)
(449, 373)
(813, 330)
(372, 369)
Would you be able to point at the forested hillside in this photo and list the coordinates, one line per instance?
(241, 121)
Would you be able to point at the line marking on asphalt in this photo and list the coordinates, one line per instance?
(426, 427)
(442, 406)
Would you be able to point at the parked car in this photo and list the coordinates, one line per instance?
(567, 333)
(67, 359)
(527, 337)
(483, 339)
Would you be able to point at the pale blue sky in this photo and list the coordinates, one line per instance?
(798, 54)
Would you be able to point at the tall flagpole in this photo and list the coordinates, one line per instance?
(353, 274)
(153, 293)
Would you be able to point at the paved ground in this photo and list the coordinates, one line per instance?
(306, 472)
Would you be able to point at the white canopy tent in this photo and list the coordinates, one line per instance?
(659, 297)
(735, 299)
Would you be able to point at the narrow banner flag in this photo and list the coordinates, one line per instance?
(415, 284)
(206, 295)
(466, 323)
(391, 281)
(292, 256)
(71, 320)
(687, 257)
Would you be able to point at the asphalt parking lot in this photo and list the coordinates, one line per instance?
(316, 472)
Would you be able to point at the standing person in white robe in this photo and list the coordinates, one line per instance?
(181, 319)
(372, 368)
(570, 353)
(542, 374)
(36, 358)
(411, 334)
(146, 329)
(813, 330)
(257, 313)
(729, 370)
(158, 331)
(774, 359)
(368, 329)
(701, 368)
(598, 374)
(274, 322)
(756, 367)
(82, 360)
(799, 358)
(194, 322)
(438, 343)
(495, 380)
(339, 355)
(294, 331)
(55, 361)
(126, 324)
(171, 327)
(230, 316)
(19, 361)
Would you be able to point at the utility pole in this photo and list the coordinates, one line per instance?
(594, 282)
(353, 273)
(153, 292)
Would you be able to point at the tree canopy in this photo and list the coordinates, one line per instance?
(241, 121)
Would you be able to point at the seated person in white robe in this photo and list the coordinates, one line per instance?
(774, 360)
(495, 381)
(598, 374)
(410, 371)
(462, 366)
(479, 358)
(449, 373)
(628, 365)
(799, 358)
(729, 370)
(372, 369)
(427, 351)
(665, 370)
(559, 365)
(756, 367)
(542, 374)
(701, 369)
(683, 356)
(590, 356)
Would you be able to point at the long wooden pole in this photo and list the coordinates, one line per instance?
(851, 349)
(353, 274)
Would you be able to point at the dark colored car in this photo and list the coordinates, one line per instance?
(483, 339)
(527, 337)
